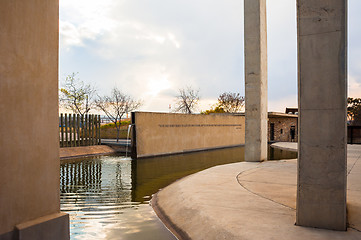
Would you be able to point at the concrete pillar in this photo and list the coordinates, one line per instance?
(322, 92)
(29, 124)
(255, 48)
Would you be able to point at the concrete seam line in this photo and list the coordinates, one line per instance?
(257, 194)
(354, 165)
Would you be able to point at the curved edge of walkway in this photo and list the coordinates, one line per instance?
(259, 203)
(178, 232)
(288, 146)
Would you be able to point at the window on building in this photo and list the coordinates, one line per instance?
(272, 131)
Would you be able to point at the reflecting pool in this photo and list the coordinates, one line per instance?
(108, 197)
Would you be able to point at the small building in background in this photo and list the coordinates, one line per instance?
(292, 111)
(283, 127)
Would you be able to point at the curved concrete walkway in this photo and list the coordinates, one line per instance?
(249, 201)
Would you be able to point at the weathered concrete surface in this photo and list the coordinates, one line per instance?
(164, 133)
(54, 226)
(72, 152)
(255, 50)
(322, 85)
(250, 201)
(29, 146)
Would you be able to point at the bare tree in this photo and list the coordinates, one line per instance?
(77, 96)
(231, 102)
(116, 105)
(187, 100)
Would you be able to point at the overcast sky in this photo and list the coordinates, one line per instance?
(150, 49)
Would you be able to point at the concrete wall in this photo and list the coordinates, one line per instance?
(163, 133)
(29, 144)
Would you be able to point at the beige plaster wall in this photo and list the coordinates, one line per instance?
(164, 133)
(29, 155)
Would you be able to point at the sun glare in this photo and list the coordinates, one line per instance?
(156, 85)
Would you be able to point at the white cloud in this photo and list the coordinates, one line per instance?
(280, 105)
(354, 87)
(138, 44)
(71, 35)
(83, 20)
(193, 46)
(206, 104)
(173, 39)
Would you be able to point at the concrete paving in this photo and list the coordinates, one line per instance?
(250, 201)
(85, 151)
(121, 146)
(121, 142)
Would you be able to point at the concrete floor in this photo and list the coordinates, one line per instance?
(85, 151)
(250, 201)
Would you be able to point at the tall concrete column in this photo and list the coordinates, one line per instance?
(322, 93)
(255, 48)
(29, 122)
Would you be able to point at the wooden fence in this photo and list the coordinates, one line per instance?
(76, 130)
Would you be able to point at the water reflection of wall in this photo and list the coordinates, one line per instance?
(113, 179)
(276, 154)
(155, 173)
(158, 172)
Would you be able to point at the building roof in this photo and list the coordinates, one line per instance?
(279, 114)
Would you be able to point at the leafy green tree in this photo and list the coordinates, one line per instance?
(213, 110)
(354, 111)
(77, 96)
(116, 105)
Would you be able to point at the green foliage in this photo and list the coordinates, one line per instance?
(213, 110)
(227, 103)
(76, 96)
(112, 133)
(354, 111)
(112, 125)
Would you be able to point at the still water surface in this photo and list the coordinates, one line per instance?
(107, 197)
